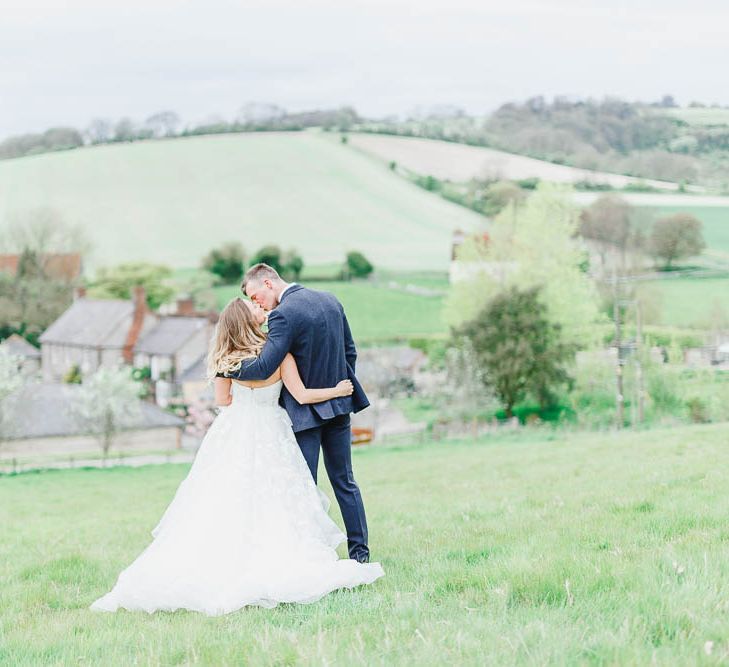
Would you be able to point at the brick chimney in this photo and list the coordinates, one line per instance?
(139, 299)
(185, 306)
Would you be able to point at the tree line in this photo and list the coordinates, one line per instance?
(167, 124)
(635, 138)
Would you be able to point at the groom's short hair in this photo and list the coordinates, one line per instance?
(258, 273)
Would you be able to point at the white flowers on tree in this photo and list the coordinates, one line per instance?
(106, 402)
(11, 380)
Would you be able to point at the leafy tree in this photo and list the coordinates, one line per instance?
(99, 131)
(62, 138)
(357, 265)
(530, 245)
(518, 349)
(271, 255)
(118, 282)
(228, 262)
(31, 300)
(676, 237)
(30, 305)
(610, 220)
(292, 265)
(499, 195)
(106, 403)
(125, 130)
(163, 124)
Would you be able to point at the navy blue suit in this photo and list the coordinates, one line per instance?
(312, 326)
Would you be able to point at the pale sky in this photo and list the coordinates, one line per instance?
(68, 61)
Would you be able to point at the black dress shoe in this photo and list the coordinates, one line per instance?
(361, 558)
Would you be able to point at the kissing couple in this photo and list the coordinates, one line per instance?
(248, 525)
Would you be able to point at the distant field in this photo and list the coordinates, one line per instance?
(376, 313)
(688, 302)
(459, 162)
(170, 201)
(715, 229)
(712, 116)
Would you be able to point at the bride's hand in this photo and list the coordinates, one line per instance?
(345, 388)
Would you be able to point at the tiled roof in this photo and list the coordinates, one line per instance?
(18, 346)
(92, 323)
(45, 410)
(197, 372)
(170, 334)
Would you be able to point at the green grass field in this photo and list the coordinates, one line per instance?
(377, 313)
(692, 302)
(171, 201)
(527, 549)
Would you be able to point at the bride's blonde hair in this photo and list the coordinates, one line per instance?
(237, 337)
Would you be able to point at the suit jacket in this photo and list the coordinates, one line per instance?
(311, 326)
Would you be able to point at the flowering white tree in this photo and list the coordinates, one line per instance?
(11, 381)
(106, 402)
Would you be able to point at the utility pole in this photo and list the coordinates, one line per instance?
(619, 398)
(638, 361)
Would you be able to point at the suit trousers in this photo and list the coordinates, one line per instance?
(334, 437)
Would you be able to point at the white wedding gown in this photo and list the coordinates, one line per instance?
(247, 525)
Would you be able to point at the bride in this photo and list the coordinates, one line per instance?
(247, 526)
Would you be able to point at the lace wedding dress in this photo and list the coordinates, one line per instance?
(247, 525)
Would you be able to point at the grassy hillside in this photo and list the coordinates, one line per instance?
(171, 201)
(527, 549)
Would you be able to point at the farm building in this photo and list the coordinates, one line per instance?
(95, 333)
(29, 355)
(43, 422)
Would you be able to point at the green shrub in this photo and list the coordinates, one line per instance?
(698, 410)
(73, 375)
(227, 262)
(357, 265)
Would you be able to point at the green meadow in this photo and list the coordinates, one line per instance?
(688, 302)
(535, 548)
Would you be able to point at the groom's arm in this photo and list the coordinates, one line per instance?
(273, 353)
(350, 350)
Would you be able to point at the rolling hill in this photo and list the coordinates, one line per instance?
(170, 201)
(460, 162)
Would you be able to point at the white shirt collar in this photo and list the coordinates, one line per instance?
(284, 290)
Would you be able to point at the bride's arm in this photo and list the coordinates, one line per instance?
(292, 380)
(222, 391)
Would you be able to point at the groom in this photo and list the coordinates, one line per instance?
(312, 326)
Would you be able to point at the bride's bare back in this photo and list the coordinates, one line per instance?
(289, 373)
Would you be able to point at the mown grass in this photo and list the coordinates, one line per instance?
(534, 549)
